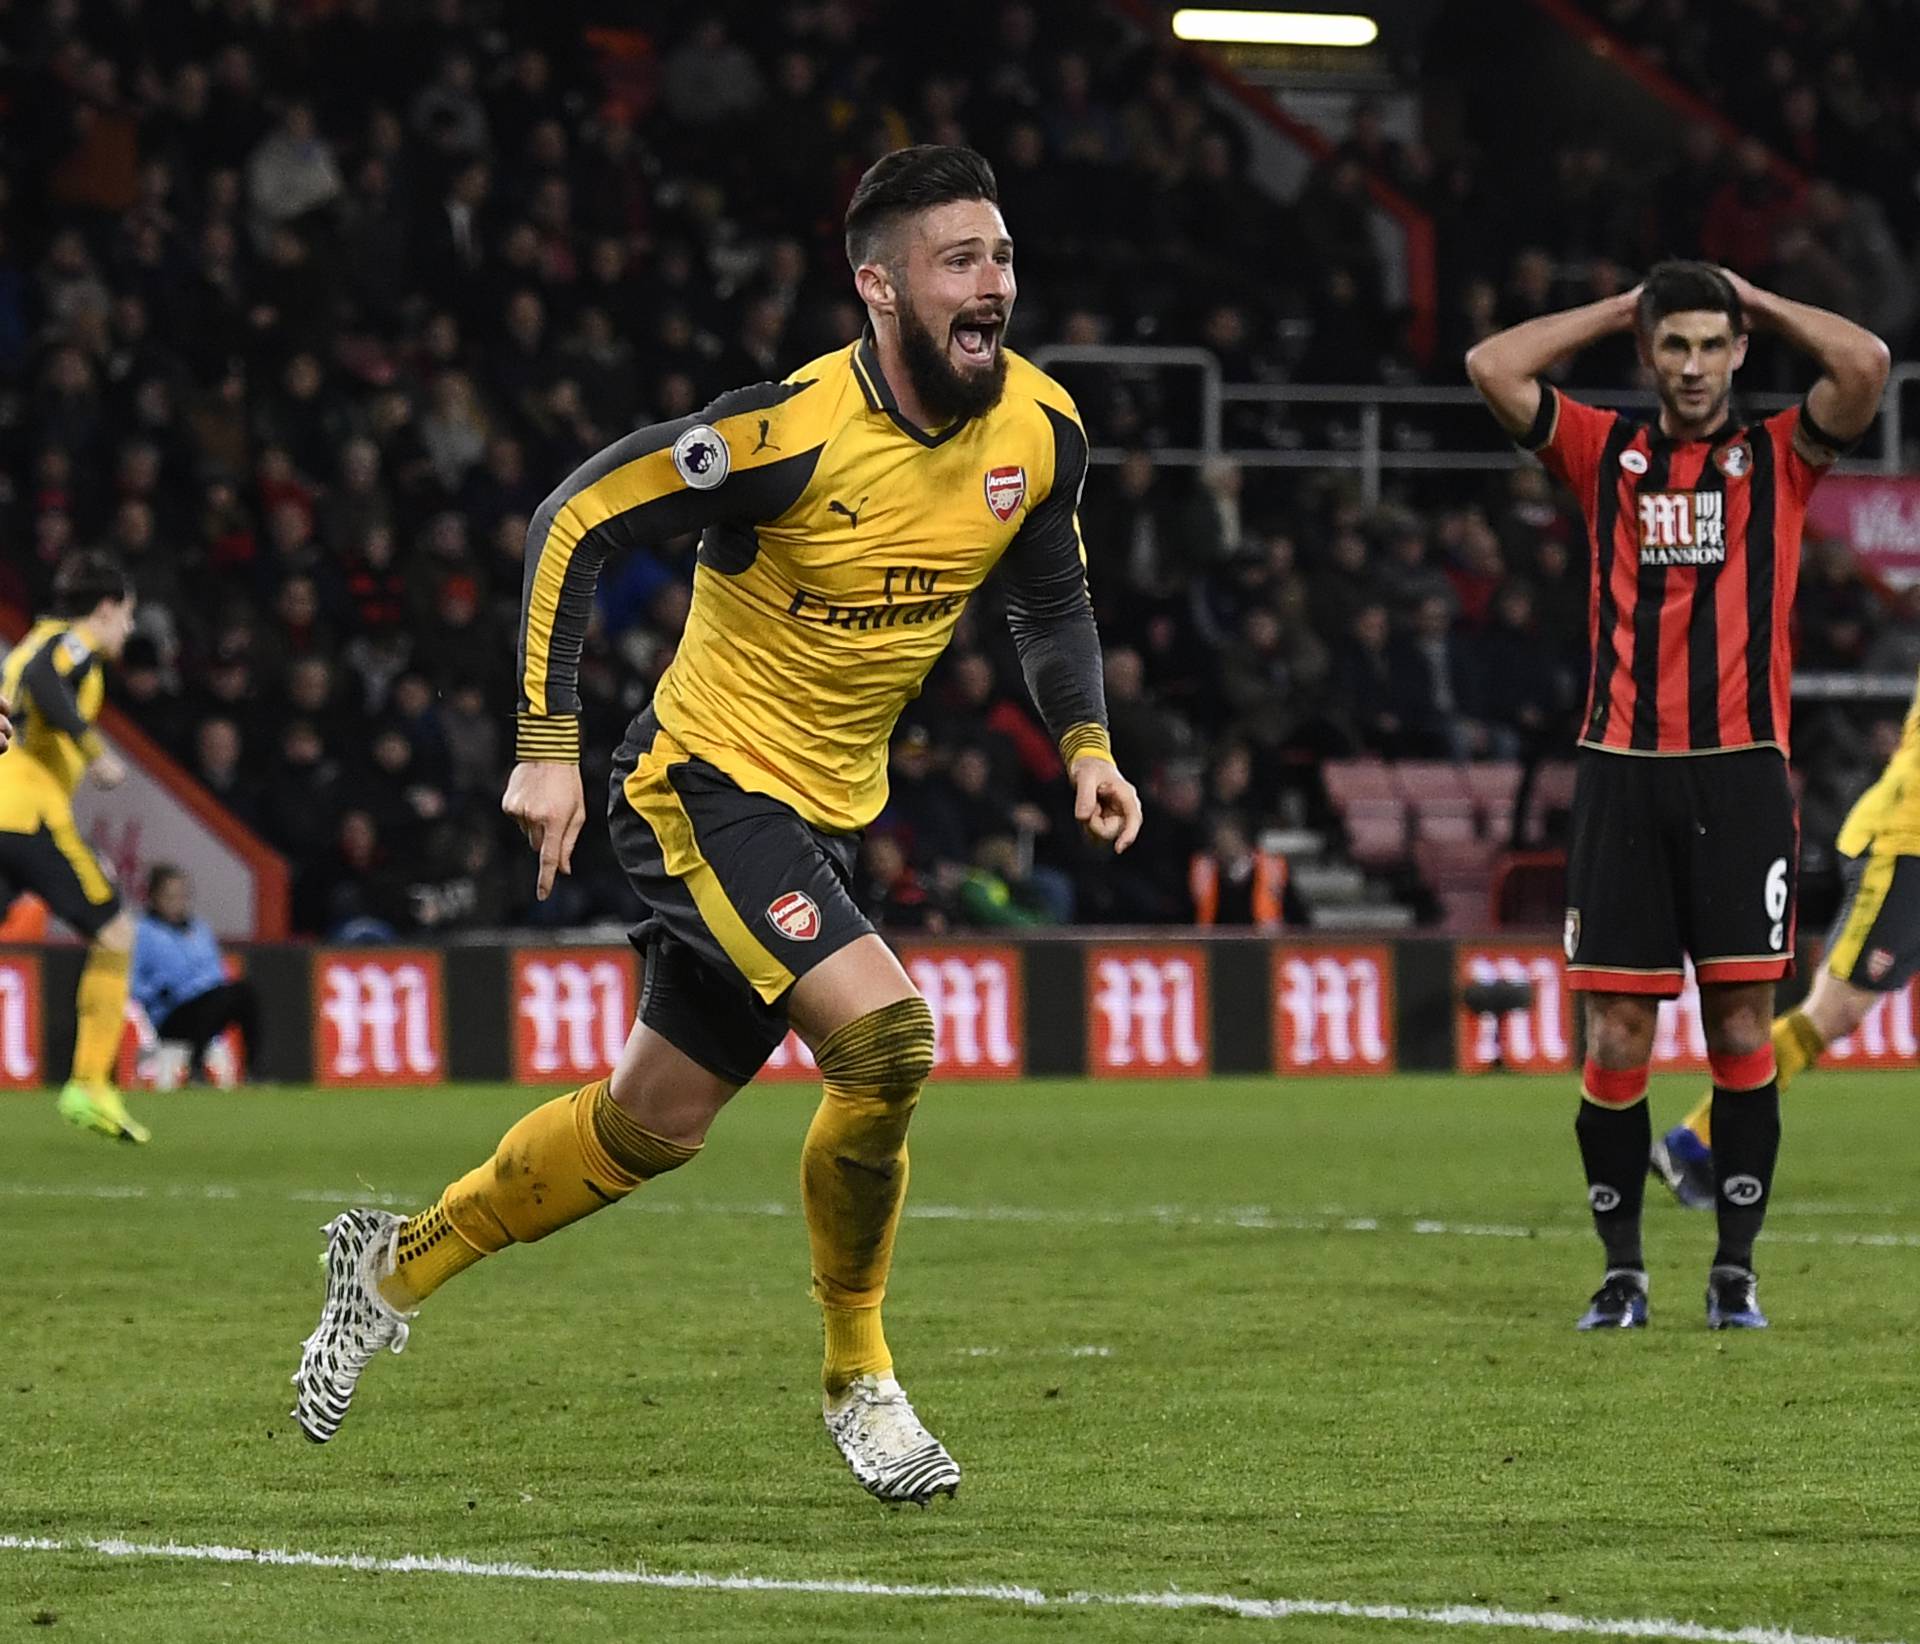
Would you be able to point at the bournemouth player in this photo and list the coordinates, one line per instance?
(848, 514)
(54, 683)
(1873, 949)
(1685, 840)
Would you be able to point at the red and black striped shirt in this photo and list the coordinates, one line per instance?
(1696, 553)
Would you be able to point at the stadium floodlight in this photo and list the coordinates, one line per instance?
(1275, 28)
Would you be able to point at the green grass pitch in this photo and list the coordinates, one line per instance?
(1269, 1340)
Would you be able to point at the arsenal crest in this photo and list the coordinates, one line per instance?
(1735, 460)
(1006, 490)
(1879, 962)
(795, 915)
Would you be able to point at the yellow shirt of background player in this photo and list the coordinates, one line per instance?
(43, 767)
(1887, 816)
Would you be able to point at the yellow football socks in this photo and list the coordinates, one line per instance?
(853, 1176)
(101, 1005)
(576, 1154)
(1797, 1045)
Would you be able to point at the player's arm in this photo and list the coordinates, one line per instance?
(48, 681)
(660, 482)
(1051, 617)
(1853, 368)
(1506, 367)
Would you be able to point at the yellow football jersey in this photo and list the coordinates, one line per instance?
(54, 681)
(1887, 816)
(841, 543)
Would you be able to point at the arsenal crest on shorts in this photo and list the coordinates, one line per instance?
(1006, 490)
(795, 915)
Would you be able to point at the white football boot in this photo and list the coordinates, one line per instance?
(356, 1321)
(890, 1453)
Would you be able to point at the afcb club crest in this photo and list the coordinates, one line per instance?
(1006, 490)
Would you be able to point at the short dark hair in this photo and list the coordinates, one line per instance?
(1679, 286)
(909, 180)
(161, 875)
(84, 579)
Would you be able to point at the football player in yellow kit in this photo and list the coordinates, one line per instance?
(54, 683)
(848, 514)
(1873, 949)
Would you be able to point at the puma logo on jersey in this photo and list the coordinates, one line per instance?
(852, 515)
(1683, 527)
(765, 443)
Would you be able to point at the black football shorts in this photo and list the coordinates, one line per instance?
(743, 898)
(1677, 857)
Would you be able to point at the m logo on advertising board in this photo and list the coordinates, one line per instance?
(377, 1017)
(572, 1011)
(1333, 1009)
(1537, 1038)
(979, 1027)
(1147, 1010)
(19, 1021)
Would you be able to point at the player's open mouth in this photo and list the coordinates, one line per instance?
(977, 341)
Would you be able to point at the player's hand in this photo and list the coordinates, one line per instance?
(1752, 299)
(107, 771)
(544, 797)
(1104, 802)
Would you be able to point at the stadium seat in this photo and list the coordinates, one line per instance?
(1419, 781)
(1377, 832)
(1348, 780)
(1493, 787)
(1447, 819)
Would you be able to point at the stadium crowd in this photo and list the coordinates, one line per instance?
(308, 307)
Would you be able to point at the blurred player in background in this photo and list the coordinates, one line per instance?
(54, 683)
(1686, 842)
(848, 515)
(1872, 950)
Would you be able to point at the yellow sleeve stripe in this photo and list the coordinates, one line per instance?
(633, 485)
(540, 736)
(1081, 740)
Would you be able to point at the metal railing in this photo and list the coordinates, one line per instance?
(1371, 455)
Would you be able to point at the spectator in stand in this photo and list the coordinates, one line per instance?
(180, 980)
(1142, 732)
(1517, 690)
(1432, 689)
(892, 893)
(217, 764)
(1745, 215)
(1838, 611)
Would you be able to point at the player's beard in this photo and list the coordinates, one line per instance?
(1681, 417)
(948, 394)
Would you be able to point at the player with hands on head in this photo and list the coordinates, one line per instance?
(1685, 838)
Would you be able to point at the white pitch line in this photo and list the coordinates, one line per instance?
(1556, 1622)
(1251, 1218)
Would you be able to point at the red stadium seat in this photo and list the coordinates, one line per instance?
(1348, 780)
(1421, 780)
